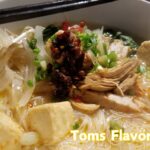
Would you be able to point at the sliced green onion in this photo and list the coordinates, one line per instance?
(36, 51)
(112, 56)
(32, 43)
(36, 62)
(76, 126)
(96, 67)
(104, 61)
(40, 74)
(89, 42)
(43, 65)
(105, 48)
(115, 126)
(30, 83)
(53, 37)
(141, 69)
(112, 64)
(108, 61)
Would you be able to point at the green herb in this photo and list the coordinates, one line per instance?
(112, 64)
(89, 42)
(53, 37)
(141, 69)
(30, 83)
(32, 43)
(40, 74)
(112, 56)
(119, 35)
(36, 51)
(95, 67)
(36, 62)
(76, 126)
(49, 31)
(104, 61)
(105, 48)
(108, 61)
(43, 65)
(115, 126)
(129, 41)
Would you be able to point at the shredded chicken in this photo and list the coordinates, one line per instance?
(97, 86)
(85, 108)
(126, 84)
(118, 73)
(139, 91)
(125, 68)
(142, 105)
(119, 79)
(96, 83)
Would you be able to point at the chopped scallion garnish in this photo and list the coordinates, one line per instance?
(109, 60)
(76, 126)
(89, 42)
(36, 51)
(30, 83)
(141, 69)
(32, 43)
(115, 126)
(40, 65)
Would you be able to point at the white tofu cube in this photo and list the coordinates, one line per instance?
(52, 121)
(10, 133)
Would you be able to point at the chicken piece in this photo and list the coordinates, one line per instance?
(52, 121)
(119, 48)
(85, 108)
(121, 71)
(96, 83)
(142, 105)
(108, 79)
(5, 38)
(110, 101)
(10, 133)
(143, 52)
(126, 84)
(100, 86)
(138, 89)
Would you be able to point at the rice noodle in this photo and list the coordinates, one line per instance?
(22, 36)
(99, 123)
(29, 75)
(25, 67)
(40, 42)
(5, 39)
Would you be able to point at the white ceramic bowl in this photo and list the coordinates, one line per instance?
(131, 16)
